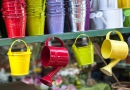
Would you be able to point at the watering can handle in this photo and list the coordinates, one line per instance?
(119, 34)
(18, 40)
(82, 35)
(99, 14)
(48, 39)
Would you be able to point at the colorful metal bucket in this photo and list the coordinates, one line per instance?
(55, 23)
(35, 25)
(15, 26)
(35, 2)
(19, 61)
(84, 55)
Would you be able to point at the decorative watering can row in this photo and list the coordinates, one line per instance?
(58, 56)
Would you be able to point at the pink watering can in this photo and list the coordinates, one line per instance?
(54, 56)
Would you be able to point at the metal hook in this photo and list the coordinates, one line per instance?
(53, 38)
(19, 40)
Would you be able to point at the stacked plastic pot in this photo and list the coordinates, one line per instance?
(125, 5)
(14, 15)
(35, 17)
(79, 11)
(55, 14)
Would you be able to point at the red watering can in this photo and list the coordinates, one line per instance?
(57, 57)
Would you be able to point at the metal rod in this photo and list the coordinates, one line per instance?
(106, 64)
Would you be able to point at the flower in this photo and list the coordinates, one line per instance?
(58, 80)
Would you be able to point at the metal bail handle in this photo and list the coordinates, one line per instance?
(48, 39)
(83, 35)
(43, 5)
(18, 40)
(117, 32)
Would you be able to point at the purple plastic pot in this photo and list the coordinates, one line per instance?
(55, 1)
(54, 6)
(60, 11)
(55, 23)
(56, 13)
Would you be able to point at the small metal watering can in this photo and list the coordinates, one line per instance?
(113, 49)
(111, 18)
(84, 55)
(54, 56)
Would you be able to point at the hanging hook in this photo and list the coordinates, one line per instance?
(19, 40)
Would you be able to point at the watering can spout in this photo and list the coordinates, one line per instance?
(100, 15)
(47, 80)
(108, 69)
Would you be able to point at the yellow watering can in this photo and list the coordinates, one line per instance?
(19, 61)
(113, 49)
(84, 55)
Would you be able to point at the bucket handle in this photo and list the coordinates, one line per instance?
(117, 32)
(48, 39)
(18, 40)
(43, 5)
(83, 35)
